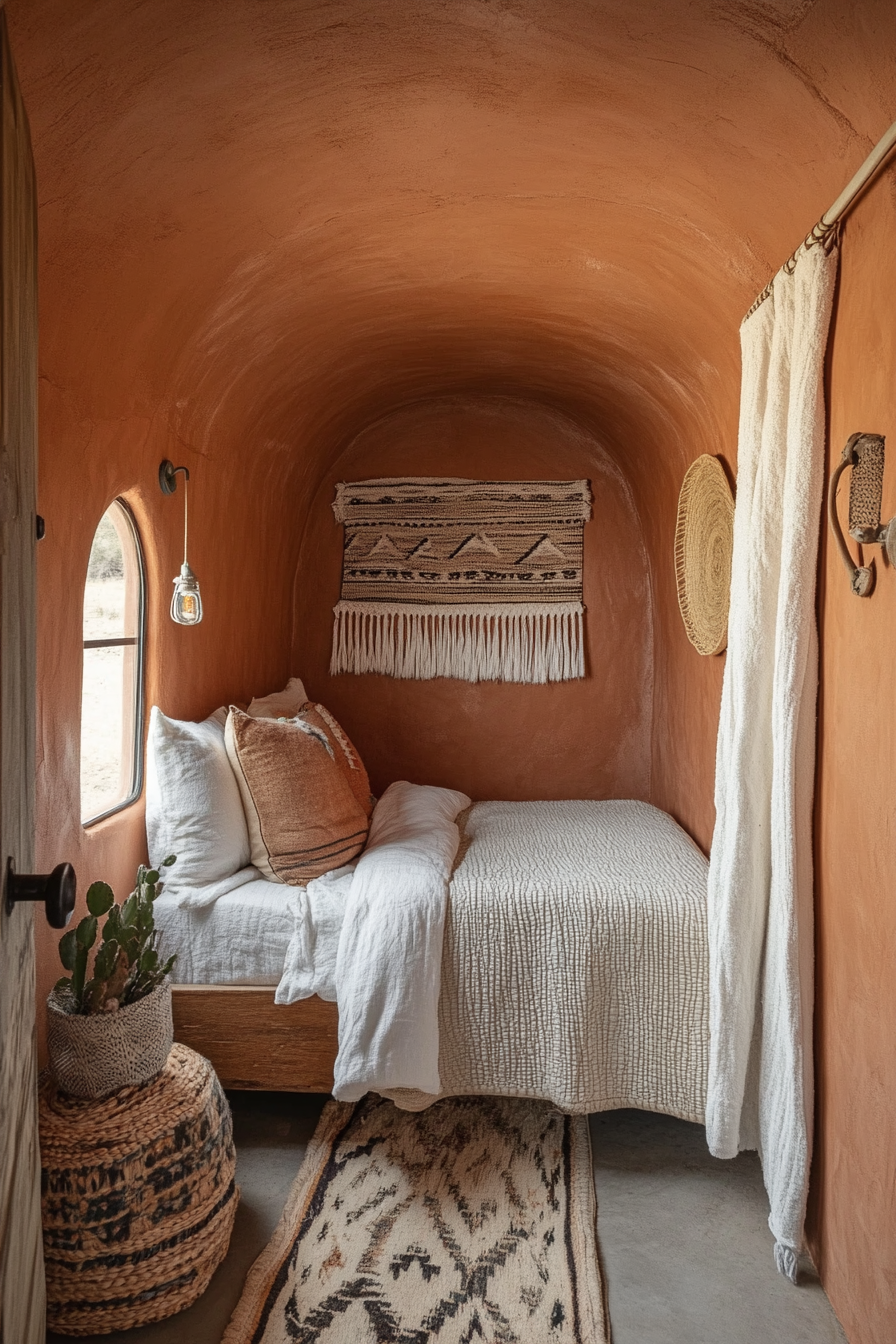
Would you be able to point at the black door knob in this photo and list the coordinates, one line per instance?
(57, 891)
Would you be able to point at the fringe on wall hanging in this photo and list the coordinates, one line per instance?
(479, 580)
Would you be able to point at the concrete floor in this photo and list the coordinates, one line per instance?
(685, 1244)
(684, 1240)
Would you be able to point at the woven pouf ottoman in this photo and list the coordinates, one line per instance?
(138, 1197)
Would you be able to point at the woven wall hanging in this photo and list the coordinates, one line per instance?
(480, 580)
(703, 543)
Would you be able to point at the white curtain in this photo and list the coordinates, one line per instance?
(760, 881)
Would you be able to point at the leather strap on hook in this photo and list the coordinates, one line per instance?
(861, 578)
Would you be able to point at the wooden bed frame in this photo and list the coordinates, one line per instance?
(255, 1044)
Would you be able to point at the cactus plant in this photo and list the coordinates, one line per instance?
(127, 965)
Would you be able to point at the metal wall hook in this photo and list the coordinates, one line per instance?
(864, 453)
(168, 473)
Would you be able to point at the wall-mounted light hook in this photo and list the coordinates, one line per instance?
(186, 604)
(168, 473)
(864, 453)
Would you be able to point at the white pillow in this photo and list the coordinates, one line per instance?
(283, 704)
(193, 805)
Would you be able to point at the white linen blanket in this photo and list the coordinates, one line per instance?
(318, 910)
(389, 962)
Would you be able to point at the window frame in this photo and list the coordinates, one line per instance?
(137, 642)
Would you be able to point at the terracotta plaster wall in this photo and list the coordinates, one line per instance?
(579, 739)
(236, 652)
(687, 685)
(853, 1215)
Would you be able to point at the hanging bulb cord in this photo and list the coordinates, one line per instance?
(186, 492)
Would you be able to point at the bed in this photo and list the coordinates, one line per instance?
(574, 966)
(230, 961)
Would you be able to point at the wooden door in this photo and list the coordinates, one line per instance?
(22, 1296)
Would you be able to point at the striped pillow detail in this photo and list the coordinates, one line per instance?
(346, 754)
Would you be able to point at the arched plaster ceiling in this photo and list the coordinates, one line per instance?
(267, 222)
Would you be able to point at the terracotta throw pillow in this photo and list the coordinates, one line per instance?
(302, 816)
(346, 755)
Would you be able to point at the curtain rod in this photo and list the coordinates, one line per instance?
(832, 217)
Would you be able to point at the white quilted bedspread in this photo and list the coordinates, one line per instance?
(575, 962)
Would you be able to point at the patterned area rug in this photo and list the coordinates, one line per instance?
(472, 1222)
(480, 580)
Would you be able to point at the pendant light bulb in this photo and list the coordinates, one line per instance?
(186, 603)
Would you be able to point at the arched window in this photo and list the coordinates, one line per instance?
(112, 683)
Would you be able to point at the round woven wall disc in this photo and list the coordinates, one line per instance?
(703, 542)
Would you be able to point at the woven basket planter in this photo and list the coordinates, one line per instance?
(93, 1055)
(138, 1197)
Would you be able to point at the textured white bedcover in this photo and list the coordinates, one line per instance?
(575, 961)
